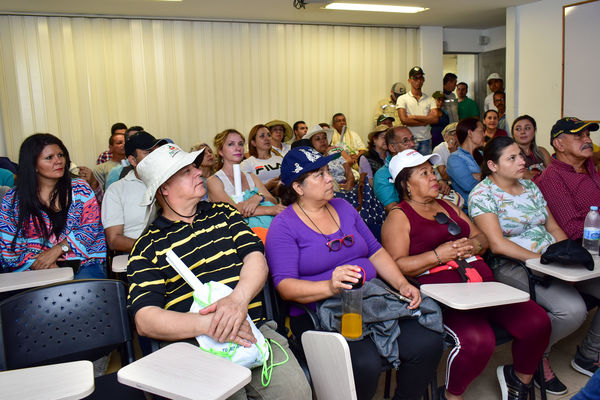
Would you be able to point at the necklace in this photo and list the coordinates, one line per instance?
(419, 203)
(327, 208)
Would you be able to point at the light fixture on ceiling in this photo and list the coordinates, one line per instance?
(373, 7)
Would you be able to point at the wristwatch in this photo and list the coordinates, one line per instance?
(64, 248)
(261, 195)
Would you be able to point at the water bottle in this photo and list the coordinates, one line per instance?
(352, 310)
(591, 231)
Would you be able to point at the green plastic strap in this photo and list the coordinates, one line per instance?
(267, 370)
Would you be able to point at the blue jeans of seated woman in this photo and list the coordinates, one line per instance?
(91, 271)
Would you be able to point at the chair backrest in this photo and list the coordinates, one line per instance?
(77, 320)
(330, 366)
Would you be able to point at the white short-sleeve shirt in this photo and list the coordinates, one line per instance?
(444, 153)
(417, 107)
(121, 205)
(264, 169)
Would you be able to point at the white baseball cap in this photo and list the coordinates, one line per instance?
(157, 167)
(407, 159)
(317, 129)
(494, 75)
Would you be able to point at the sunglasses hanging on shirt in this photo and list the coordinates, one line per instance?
(442, 219)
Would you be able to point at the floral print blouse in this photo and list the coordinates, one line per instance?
(522, 218)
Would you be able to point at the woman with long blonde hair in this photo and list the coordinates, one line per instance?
(258, 205)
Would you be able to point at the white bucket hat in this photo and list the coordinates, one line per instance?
(317, 129)
(407, 159)
(157, 167)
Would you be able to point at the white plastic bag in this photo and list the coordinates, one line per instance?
(206, 294)
(247, 356)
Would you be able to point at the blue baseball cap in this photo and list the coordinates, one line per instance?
(301, 160)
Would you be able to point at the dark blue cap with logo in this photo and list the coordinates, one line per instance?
(301, 160)
(570, 125)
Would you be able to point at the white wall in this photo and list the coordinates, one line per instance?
(465, 69)
(467, 40)
(431, 57)
(534, 63)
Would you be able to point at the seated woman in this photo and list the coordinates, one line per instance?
(536, 157)
(48, 218)
(257, 206)
(513, 214)
(281, 132)
(341, 170)
(444, 149)
(208, 164)
(434, 241)
(463, 164)
(262, 162)
(490, 121)
(375, 156)
(315, 247)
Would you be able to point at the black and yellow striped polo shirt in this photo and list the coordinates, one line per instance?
(212, 246)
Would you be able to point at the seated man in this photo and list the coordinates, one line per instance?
(117, 128)
(123, 217)
(116, 144)
(213, 240)
(349, 141)
(124, 167)
(571, 184)
(398, 139)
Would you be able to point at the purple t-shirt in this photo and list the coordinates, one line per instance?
(296, 250)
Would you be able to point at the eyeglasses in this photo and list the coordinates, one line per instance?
(336, 244)
(442, 219)
(405, 141)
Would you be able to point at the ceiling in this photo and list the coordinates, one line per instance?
(477, 14)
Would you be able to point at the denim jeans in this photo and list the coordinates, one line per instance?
(91, 271)
(423, 147)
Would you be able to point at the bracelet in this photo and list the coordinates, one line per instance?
(438, 257)
(479, 246)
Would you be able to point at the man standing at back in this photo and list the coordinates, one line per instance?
(418, 111)
(495, 83)
(466, 106)
(450, 102)
(388, 106)
(500, 104)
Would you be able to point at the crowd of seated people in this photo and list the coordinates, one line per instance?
(520, 200)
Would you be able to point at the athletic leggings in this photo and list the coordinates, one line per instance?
(527, 323)
(420, 351)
